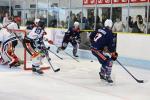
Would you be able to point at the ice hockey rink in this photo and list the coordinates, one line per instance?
(75, 81)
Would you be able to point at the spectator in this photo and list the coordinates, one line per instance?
(147, 29)
(138, 25)
(1, 18)
(78, 17)
(98, 19)
(74, 18)
(91, 20)
(98, 23)
(85, 23)
(129, 24)
(118, 26)
(71, 20)
(104, 17)
(6, 20)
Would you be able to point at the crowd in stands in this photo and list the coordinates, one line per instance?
(133, 25)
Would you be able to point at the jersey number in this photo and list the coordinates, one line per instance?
(38, 31)
(98, 35)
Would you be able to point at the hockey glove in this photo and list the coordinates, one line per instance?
(50, 41)
(114, 56)
(42, 53)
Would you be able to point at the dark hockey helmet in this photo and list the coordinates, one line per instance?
(41, 24)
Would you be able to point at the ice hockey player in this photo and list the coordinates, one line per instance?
(8, 42)
(30, 24)
(72, 36)
(102, 47)
(33, 43)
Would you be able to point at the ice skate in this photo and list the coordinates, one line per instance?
(37, 70)
(102, 76)
(108, 79)
(59, 48)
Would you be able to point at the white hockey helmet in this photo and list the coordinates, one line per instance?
(36, 21)
(108, 23)
(76, 24)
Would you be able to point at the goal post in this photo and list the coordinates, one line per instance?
(22, 53)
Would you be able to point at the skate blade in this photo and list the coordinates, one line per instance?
(37, 74)
(106, 83)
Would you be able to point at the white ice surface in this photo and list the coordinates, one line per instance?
(75, 81)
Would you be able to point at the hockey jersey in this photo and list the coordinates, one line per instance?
(102, 38)
(5, 33)
(36, 33)
(73, 33)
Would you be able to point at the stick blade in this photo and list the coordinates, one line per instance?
(61, 58)
(57, 70)
(140, 81)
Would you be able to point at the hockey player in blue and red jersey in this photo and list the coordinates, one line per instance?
(102, 47)
(72, 36)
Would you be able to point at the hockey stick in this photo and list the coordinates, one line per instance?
(18, 37)
(137, 80)
(49, 59)
(55, 53)
(46, 54)
(68, 54)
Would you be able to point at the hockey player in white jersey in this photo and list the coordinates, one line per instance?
(33, 43)
(8, 43)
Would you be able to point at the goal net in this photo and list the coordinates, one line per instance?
(23, 55)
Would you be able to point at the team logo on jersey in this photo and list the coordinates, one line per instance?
(38, 31)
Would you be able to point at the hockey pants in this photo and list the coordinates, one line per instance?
(105, 60)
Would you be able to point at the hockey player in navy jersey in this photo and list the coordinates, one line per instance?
(72, 36)
(102, 47)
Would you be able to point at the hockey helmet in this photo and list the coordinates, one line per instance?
(76, 24)
(41, 24)
(36, 21)
(108, 23)
(17, 19)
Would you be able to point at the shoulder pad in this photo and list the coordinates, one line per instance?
(102, 31)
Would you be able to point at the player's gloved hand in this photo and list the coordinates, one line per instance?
(48, 48)
(42, 53)
(50, 41)
(114, 55)
(44, 33)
